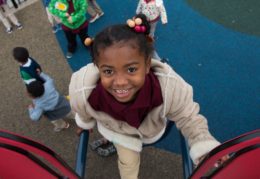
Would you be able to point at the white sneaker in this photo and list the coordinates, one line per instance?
(69, 54)
(101, 14)
(9, 30)
(93, 19)
(19, 26)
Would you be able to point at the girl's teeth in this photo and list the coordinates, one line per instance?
(121, 91)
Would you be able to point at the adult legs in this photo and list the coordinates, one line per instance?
(128, 162)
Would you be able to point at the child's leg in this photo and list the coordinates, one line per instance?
(91, 9)
(11, 16)
(128, 162)
(72, 43)
(5, 20)
(83, 34)
(152, 29)
(96, 7)
(15, 21)
(60, 124)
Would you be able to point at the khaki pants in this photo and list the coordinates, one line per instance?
(7, 14)
(128, 162)
(93, 8)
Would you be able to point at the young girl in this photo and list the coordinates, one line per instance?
(72, 15)
(153, 10)
(130, 96)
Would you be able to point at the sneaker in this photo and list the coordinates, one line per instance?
(93, 19)
(69, 54)
(101, 14)
(19, 26)
(58, 129)
(165, 60)
(106, 151)
(98, 143)
(9, 30)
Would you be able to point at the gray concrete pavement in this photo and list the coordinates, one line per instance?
(41, 42)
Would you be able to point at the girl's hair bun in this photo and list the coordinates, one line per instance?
(136, 24)
(139, 24)
(88, 41)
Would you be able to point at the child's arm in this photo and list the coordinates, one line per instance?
(46, 78)
(78, 101)
(185, 113)
(35, 113)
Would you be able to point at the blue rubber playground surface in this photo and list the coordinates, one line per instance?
(221, 63)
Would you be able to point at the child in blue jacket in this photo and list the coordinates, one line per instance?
(48, 102)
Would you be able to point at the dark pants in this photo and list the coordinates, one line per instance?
(72, 41)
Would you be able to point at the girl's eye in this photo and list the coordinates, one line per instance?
(108, 72)
(132, 69)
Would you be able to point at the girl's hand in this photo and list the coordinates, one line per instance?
(218, 162)
(80, 130)
(221, 161)
(70, 19)
(38, 71)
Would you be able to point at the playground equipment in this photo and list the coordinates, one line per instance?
(22, 157)
(34, 160)
(243, 162)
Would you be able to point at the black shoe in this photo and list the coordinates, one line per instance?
(69, 55)
(165, 60)
(98, 143)
(106, 150)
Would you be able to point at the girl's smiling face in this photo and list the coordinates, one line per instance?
(122, 71)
